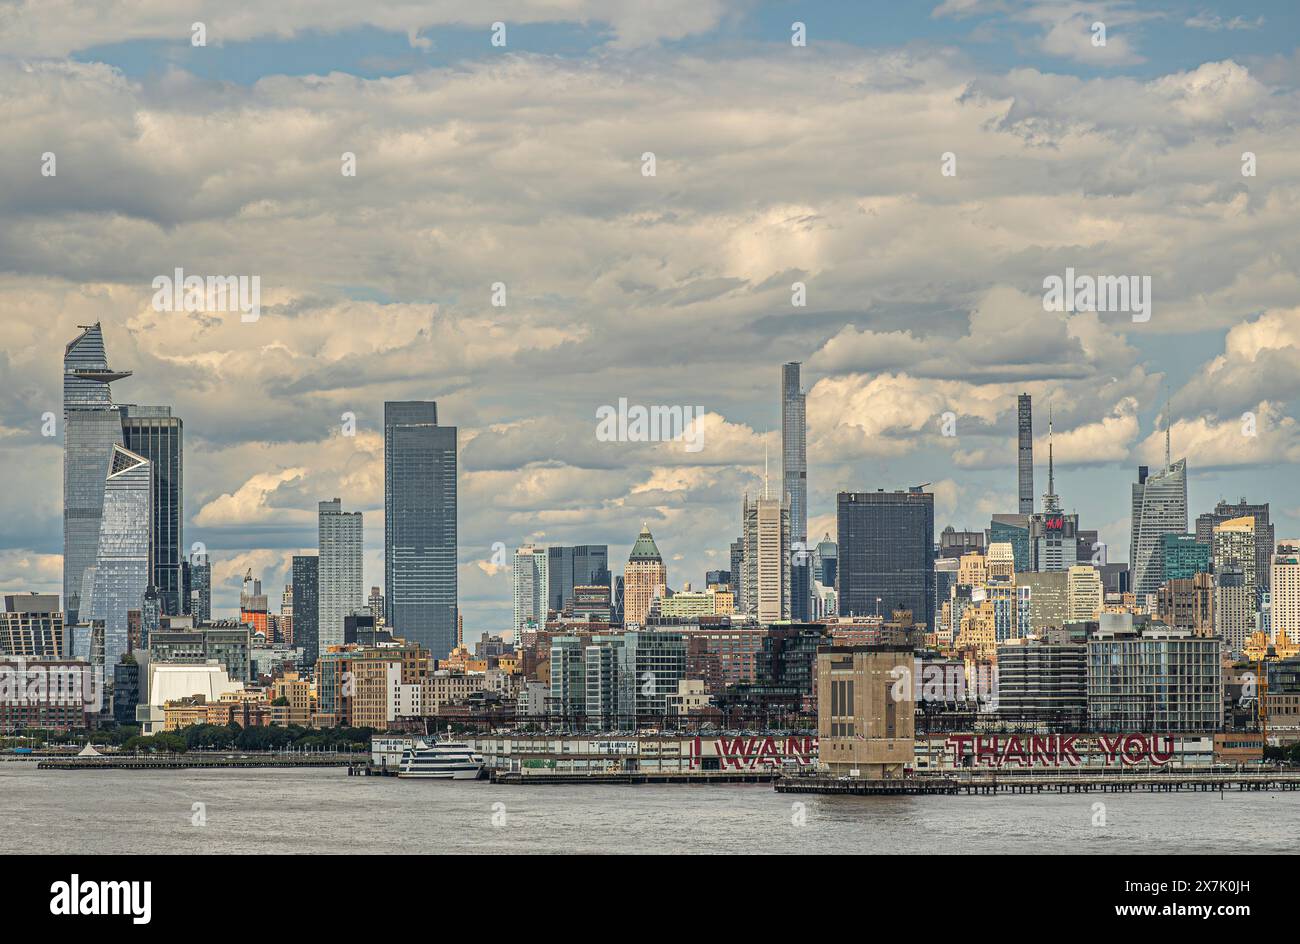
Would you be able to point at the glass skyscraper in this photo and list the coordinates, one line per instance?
(306, 604)
(92, 426)
(794, 451)
(152, 432)
(585, 565)
(420, 525)
(1159, 508)
(117, 581)
(886, 553)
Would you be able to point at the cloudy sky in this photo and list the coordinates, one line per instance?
(774, 164)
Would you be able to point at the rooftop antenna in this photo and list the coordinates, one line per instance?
(765, 495)
(1168, 457)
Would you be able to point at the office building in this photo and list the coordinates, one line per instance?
(794, 452)
(152, 432)
(886, 553)
(420, 583)
(1013, 530)
(92, 426)
(1049, 599)
(340, 585)
(1085, 592)
(644, 578)
(1185, 556)
(306, 606)
(1159, 508)
(116, 582)
(585, 565)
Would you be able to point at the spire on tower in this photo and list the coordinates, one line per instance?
(1168, 456)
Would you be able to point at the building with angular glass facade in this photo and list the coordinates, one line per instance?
(420, 583)
(117, 580)
(794, 451)
(1159, 508)
(92, 426)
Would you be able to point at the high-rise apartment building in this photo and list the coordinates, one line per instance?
(92, 426)
(420, 583)
(340, 587)
(644, 578)
(1159, 681)
(794, 451)
(1025, 452)
(766, 565)
(1159, 508)
(530, 579)
(31, 626)
(152, 432)
(1233, 553)
(306, 606)
(886, 553)
(1284, 590)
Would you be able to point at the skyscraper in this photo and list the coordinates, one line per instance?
(117, 580)
(1025, 429)
(584, 565)
(306, 607)
(420, 526)
(200, 587)
(530, 578)
(152, 432)
(340, 589)
(644, 578)
(92, 426)
(1264, 533)
(766, 566)
(1159, 508)
(794, 452)
(886, 553)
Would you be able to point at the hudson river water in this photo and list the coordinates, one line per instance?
(326, 811)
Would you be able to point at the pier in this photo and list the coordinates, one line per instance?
(635, 777)
(196, 761)
(992, 783)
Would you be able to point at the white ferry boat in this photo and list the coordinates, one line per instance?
(440, 760)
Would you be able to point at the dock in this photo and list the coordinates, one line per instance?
(635, 777)
(992, 783)
(198, 761)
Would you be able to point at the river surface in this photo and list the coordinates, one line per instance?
(309, 810)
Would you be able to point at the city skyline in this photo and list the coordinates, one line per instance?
(694, 307)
